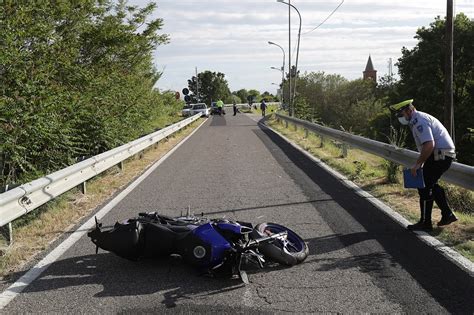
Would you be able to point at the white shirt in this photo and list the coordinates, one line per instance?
(425, 127)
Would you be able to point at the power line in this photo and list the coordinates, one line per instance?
(325, 18)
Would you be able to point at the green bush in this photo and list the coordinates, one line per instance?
(76, 79)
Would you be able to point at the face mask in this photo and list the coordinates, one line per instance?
(403, 120)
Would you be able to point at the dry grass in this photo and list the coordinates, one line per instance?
(33, 233)
(371, 176)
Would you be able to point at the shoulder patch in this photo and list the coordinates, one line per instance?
(420, 128)
(415, 121)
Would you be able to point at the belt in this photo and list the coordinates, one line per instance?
(446, 152)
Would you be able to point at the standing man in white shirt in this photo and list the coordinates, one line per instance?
(437, 152)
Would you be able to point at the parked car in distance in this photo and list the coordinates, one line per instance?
(186, 111)
(214, 108)
(200, 108)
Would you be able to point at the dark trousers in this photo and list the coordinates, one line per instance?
(432, 171)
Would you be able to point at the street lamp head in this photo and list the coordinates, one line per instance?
(271, 43)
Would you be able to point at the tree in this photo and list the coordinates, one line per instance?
(268, 96)
(236, 98)
(212, 86)
(242, 94)
(255, 95)
(422, 69)
(76, 79)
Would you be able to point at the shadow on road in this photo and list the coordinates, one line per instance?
(120, 277)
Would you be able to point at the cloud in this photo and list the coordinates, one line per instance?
(231, 36)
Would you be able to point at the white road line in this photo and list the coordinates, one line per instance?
(16, 288)
(459, 260)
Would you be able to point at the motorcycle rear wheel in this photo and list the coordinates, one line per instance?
(289, 253)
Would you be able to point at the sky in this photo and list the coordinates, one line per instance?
(231, 36)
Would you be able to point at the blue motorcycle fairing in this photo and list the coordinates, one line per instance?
(219, 245)
(233, 227)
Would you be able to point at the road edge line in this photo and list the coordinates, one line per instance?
(18, 286)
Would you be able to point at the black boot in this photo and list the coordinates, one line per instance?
(447, 215)
(424, 224)
(447, 220)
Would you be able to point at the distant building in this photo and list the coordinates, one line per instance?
(370, 73)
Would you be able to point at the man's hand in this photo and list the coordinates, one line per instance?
(426, 150)
(414, 168)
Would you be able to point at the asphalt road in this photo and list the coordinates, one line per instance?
(359, 261)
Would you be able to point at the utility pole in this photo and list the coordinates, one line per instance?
(290, 109)
(448, 75)
(197, 85)
(390, 72)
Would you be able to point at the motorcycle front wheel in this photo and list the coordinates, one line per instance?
(288, 252)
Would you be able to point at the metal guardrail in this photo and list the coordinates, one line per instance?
(247, 104)
(27, 197)
(458, 174)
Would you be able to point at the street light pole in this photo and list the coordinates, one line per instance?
(282, 74)
(297, 55)
(289, 60)
(282, 71)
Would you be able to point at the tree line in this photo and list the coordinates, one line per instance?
(76, 79)
(361, 106)
(209, 86)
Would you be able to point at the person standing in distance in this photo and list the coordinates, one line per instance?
(263, 107)
(234, 106)
(437, 152)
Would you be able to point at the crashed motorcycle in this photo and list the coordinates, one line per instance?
(218, 247)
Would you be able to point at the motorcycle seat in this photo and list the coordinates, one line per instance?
(179, 229)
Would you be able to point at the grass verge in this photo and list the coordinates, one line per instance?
(33, 233)
(369, 172)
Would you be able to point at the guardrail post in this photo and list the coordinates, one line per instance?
(296, 127)
(286, 123)
(140, 154)
(322, 141)
(7, 232)
(83, 188)
(305, 133)
(344, 150)
(120, 166)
